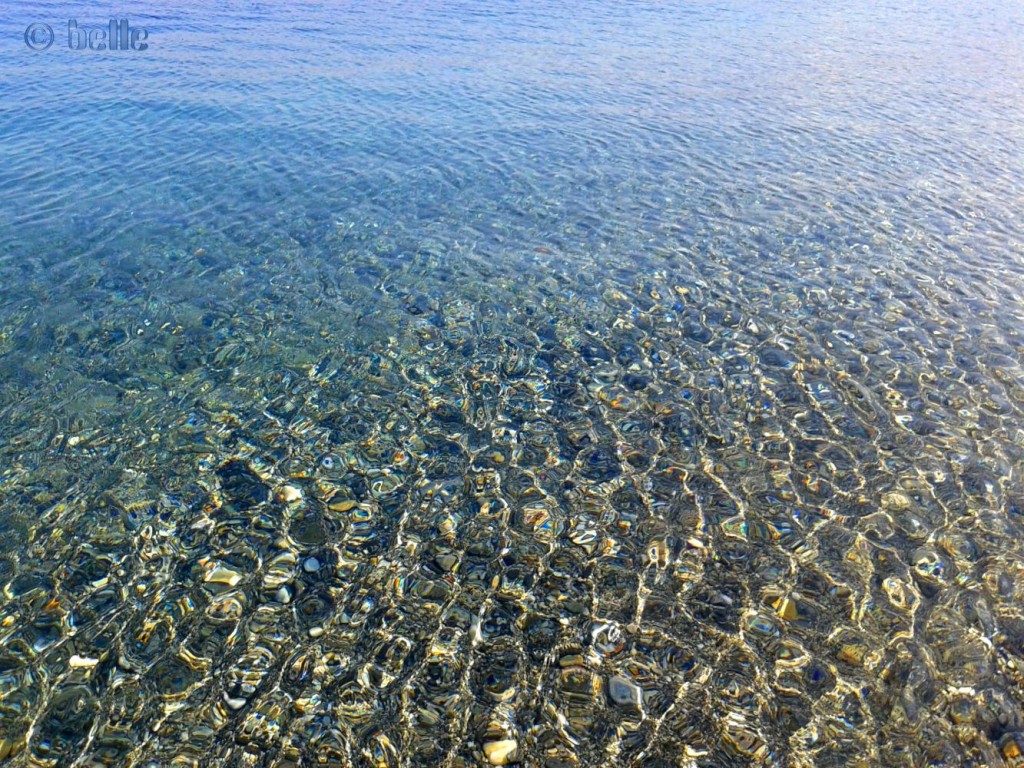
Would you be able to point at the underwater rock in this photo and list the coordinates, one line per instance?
(624, 692)
(501, 752)
(241, 486)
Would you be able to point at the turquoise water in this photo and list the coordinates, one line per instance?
(439, 384)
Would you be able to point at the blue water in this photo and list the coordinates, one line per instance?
(649, 377)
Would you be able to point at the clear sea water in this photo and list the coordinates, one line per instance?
(542, 384)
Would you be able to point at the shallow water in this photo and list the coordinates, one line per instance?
(431, 385)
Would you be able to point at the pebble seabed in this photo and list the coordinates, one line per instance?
(381, 514)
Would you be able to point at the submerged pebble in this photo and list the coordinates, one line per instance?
(624, 692)
(222, 575)
(501, 752)
(289, 494)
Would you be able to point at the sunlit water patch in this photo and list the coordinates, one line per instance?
(436, 385)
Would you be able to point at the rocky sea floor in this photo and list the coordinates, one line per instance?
(684, 518)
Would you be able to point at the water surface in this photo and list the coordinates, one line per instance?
(438, 384)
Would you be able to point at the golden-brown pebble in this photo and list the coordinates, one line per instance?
(1010, 748)
(852, 654)
(221, 575)
(9, 748)
(786, 607)
(501, 752)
